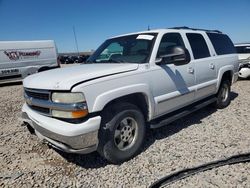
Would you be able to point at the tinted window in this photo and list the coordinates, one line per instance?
(243, 49)
(168, 41)
(222, 43)
(198, 45)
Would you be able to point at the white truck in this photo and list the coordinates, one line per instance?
(19, 59)
(243, 50)
(151, 79)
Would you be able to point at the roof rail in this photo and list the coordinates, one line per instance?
(196, 29)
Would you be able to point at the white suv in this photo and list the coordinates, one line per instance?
(243, 50)
(150, 79)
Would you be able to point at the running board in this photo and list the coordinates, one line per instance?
(169, 118)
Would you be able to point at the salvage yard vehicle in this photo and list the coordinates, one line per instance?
(150, 79)
(243, 50)
(19, 59)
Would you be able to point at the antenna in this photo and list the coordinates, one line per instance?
(148, 27)
(76, 41)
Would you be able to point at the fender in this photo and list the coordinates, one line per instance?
(221, 72)
(110, 95)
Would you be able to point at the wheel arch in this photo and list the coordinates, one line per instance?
(138, 95)
(225, 73)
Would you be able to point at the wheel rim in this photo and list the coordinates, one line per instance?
(126, 133)
(224, 93)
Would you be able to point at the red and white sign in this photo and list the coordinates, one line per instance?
(16, 55)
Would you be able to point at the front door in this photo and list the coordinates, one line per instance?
(174, 86)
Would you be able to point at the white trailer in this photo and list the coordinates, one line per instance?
(19, 59)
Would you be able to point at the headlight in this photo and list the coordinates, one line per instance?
(68, 97)
(73, 105)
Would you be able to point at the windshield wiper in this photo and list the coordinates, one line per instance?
(106, 61)
(115, 61)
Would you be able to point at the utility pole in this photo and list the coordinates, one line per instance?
(76, 41)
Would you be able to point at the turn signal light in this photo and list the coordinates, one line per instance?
(79, 114)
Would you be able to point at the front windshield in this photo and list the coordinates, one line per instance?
(127, 49)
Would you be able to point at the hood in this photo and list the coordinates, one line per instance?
(65, 78)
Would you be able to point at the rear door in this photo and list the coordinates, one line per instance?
(205, 66)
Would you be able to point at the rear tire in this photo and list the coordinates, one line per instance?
(223, 95)
(121, 133)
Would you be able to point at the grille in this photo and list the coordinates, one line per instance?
(40, 95)
(40, 109)
(37, 95)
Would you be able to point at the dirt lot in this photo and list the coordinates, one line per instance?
(201, 137)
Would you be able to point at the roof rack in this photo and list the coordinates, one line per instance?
(196, 29)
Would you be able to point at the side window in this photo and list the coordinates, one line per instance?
(168, 41)
(243, 49)
(222, 43)
(198, 45)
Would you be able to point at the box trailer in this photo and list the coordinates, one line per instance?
(19, 59)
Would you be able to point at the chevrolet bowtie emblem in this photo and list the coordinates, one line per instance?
(29, 100)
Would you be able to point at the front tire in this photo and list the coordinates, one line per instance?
(223, 95)
(121, 133)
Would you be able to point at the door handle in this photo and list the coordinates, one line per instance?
(211, 66)
(190, 70)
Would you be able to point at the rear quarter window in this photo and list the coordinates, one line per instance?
(222, 43)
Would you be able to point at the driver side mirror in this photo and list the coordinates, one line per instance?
(177, 55)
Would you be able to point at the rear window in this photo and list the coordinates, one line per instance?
(222, 43)
(243, 49)
(198, 45)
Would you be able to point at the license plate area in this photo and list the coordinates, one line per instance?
(6, 72)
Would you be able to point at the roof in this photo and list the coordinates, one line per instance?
(242, 44)
(17, 45)
(187, 29)
(196, 29)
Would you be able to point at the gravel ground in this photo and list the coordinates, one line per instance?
(201, 137)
